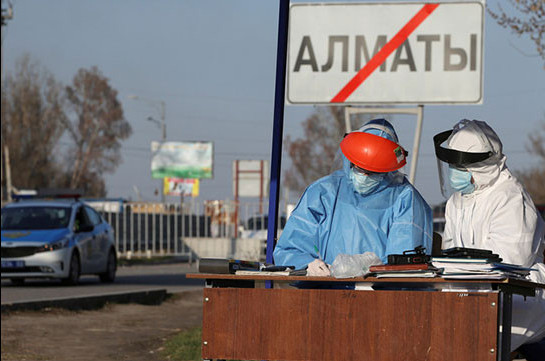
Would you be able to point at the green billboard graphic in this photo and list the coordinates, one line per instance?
(181, 159)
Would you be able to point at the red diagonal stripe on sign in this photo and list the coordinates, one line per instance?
(386, 50)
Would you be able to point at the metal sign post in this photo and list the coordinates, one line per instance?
(418, 111)
(248, 181)
(276, 159)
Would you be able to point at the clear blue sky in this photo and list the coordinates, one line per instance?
(213, 63)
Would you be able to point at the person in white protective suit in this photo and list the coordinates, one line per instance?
(490, 209)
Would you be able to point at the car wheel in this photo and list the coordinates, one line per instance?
(17, 281)
(111, 267)
(74, 271)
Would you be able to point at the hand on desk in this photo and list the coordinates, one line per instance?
(318, 268)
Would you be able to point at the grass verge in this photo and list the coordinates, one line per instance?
(185, 346)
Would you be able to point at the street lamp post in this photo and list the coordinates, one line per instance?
(159, 105)
(163, 124)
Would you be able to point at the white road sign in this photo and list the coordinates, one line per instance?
(386, 53)
(250, 178)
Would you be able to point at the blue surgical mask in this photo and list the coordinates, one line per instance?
(365, 184)
(461, 181)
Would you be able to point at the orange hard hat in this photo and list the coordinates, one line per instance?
(373, 153)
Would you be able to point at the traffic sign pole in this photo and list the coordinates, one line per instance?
(280, 88)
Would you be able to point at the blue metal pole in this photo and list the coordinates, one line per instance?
(276, 156)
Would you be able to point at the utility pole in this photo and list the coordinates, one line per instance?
(159, 105)
(7, 14)
(163, 124)
(9, 188)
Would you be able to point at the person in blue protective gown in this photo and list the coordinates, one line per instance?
(367, 206)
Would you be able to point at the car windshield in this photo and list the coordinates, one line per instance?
(22, 218)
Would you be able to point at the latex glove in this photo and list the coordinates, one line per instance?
(318, 268)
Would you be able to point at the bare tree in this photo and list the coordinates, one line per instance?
(528, 19)
(533, 178)
(96, 126)
(312, 156)
(32, 116)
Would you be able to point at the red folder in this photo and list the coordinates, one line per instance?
(399, 267)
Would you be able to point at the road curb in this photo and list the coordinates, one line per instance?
(148, 297)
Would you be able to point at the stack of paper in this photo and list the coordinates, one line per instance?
(474, 268)
(261, 273)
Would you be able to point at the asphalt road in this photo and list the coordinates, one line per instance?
(129, 279)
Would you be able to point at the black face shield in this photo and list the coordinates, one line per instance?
(454, 157)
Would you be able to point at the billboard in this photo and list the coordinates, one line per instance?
(250, 178)
(181, 187)
(181, 159)
(357, 53)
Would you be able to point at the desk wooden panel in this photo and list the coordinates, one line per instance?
(292, 324)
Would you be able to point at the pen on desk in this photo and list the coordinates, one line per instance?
(318, 253)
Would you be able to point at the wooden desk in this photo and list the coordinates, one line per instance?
(414, 321)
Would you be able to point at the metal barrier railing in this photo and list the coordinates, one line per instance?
(162, 229)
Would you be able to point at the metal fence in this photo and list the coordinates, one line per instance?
(160, 229)
(154, 231)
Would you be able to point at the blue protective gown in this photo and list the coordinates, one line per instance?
(335, 219)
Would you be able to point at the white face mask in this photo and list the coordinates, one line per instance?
(365, 184)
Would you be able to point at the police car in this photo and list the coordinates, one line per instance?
(59, 239)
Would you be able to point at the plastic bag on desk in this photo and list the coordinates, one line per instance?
(345, 265)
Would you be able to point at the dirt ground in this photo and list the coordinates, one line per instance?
(116, 332)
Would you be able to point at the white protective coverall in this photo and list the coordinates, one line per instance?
(499, 215)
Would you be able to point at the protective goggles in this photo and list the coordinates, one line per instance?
(363, 171)
(457, 158)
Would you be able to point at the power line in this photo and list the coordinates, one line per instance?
(199, 96)
(258, 100)
(211, 119)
